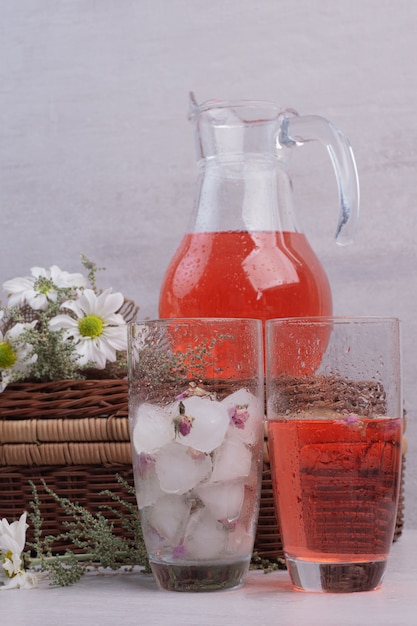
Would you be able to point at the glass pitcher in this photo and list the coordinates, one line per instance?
(244, 254)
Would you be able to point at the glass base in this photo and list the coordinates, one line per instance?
(341, 577)
(199, 577)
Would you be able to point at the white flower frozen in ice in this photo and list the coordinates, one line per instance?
(97, 330)
(12, 544)
(202, 423)
(14, 356)
(38, 289)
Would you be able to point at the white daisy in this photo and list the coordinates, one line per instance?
(14, 356)
(38, 289)
(12, 544)
(13, 536)
(97, 331)
(21, 580)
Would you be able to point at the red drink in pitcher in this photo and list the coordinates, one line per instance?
(259, 275)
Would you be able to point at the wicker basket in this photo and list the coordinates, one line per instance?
(75, 436)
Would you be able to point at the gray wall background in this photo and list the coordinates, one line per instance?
(97, 157)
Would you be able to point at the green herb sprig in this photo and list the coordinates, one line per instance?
(91, 534)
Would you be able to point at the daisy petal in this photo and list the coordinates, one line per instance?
(108, 303)
(63, 321)
(116, 336)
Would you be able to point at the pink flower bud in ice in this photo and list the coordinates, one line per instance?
(239, 415)
(145, 462)
(183, 422)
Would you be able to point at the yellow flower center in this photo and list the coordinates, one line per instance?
(91, 326)
(8, 557)
(44, 285)
(8, 356)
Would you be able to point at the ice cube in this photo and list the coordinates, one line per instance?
(153, 428)
(205, 537)
(240, 405)
(179, 469)
(147, 485)
(239, 541)
(168, 516)
(147, 491)
(209, 421)
(224, 501)
(232, 460)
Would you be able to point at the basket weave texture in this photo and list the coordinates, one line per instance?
(65, 423)
(75, 436)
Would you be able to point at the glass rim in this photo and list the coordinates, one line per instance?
(187, 320)
(341, 319)
(272, 109)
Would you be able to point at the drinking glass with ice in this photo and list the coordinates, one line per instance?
(196, 411)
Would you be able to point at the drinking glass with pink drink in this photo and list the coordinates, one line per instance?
(335, 438)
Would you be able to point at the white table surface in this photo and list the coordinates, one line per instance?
(132, 599)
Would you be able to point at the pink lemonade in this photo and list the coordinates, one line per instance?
(259, 275)
(337, 483)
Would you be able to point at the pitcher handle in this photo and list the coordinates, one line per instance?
(296, 130)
